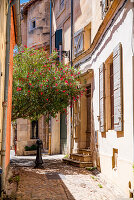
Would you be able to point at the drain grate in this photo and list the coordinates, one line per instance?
(54, 176)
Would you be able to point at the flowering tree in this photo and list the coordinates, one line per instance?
(41, 85)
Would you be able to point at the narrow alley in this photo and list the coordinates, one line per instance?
(56, 181)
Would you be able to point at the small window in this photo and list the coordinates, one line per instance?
(32, 24)
(105, 4)
(114, 158)
(61, 4)
(34, 133)
(78, 42)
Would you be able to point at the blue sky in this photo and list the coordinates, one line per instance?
(23, 1)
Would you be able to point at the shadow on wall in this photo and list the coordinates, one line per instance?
(94, 136)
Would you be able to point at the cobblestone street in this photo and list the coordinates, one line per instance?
(57, 181)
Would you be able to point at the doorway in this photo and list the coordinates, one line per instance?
(63, 133)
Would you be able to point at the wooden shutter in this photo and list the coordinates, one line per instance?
(102, 97)
(118, 96)
(0, 76)
(58, 38)
(78, 42)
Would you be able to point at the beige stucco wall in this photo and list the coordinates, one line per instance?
(3, 17)
(40, 35)
(24, 129)
(124, 143)
(55, 135)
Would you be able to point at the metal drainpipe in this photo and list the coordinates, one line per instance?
(3, 148)
(71, 66)
(50, 26)
(50, 121)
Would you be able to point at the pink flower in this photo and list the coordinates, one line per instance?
(61, 79)
(56, 84)
(64, 91)
(34, 70)
(28, 90)
(41, 93)
(47, 85)
(47, 99)
(66, 81)
(67, 94)
(54, 78)
(30, 84)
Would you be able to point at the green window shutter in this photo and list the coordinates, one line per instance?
(102, 97)
(78, 42)
(118, 95)
(58, 38)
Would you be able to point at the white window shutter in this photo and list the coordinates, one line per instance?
(118, 93)
(78, 42)
(102, 97)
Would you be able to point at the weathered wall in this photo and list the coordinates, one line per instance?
(61, 20)
(23, 135)
(40, 35)
(9, 108)
(3, 17)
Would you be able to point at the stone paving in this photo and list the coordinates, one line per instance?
(58, 181)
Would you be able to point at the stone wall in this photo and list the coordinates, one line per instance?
(39, 36)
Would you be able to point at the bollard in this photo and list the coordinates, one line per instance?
(39, 161)
(0, 181)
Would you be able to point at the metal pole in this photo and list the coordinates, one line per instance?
(71, 66)
(50, 26)
(71, 32)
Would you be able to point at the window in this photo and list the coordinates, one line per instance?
(111, 96)
(32, 24)
(111, 93)
(105, 4)
(78, 42)
(34, 133)
(61, 4)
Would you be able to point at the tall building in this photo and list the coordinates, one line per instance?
(101, 132)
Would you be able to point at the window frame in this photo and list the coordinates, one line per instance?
(34, 125)
(61, 4)
(30, 24)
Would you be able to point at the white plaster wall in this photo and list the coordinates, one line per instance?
(121, 31)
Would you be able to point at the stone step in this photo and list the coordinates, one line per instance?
(81, 157)
(77, 163)
(85, 151)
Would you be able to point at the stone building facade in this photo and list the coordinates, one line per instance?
(35, 30)
(103, 117)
